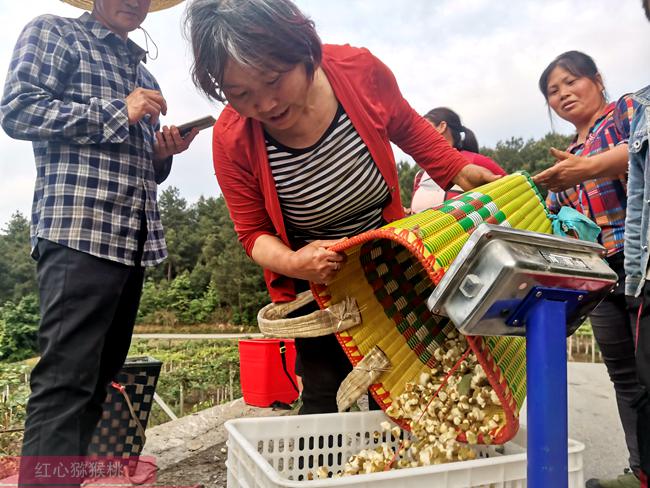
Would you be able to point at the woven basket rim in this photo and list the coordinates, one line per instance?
(321, 293)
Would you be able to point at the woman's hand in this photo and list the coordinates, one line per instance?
(315, 262)
(568, 171)
(472, 176)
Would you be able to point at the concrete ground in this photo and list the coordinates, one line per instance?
(593, 420)
(178, 440)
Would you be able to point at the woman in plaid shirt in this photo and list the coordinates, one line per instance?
(590, 176)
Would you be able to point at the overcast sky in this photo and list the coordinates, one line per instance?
(480, 57)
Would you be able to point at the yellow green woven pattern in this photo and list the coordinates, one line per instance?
(512, 200)
(402, 286)
(392, 271)
(510, 354)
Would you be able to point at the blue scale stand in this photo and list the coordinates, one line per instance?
(519, 283)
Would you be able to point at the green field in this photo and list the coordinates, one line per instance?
(202, 370)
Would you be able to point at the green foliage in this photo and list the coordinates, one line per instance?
(406, 174)
(183, 241)
(238, 281)
(176, 302)
(199, 367)
(14, 391)
(207, 277)
(532, 156)
(19, 328)
(17, 268)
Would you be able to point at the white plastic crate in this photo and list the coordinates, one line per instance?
(281, 451)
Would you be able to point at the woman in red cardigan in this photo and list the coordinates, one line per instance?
(302, 151)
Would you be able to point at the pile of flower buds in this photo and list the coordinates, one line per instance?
(465, 404)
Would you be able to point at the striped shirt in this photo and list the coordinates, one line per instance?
(603, 200)
(95, 180)
(330, 190)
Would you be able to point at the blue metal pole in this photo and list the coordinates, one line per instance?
(546, 377)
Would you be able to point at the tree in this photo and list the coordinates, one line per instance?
(222, 276)
(532, 156)
(19, 329)
(406, 174)
(180, 224)
(237, 280)
(17, 268)
(212, 217)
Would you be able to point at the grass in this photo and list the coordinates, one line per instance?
(14, 390)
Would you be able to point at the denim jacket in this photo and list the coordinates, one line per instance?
(638, 197)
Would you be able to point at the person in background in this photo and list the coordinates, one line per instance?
(590, 176)
(77, 88)
(637, 233)
(302, 151)
(426, 193)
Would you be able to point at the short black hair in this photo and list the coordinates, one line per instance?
(264, 34)
(646, 7)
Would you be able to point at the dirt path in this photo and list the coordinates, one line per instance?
(207, 468)
(192, 450)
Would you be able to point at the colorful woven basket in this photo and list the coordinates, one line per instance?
(391, 272)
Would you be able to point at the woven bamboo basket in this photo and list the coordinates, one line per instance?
(390, 272)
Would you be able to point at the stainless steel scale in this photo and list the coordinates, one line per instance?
(513, 282)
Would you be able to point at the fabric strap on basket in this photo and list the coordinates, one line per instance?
(365, 373)
(341, 316)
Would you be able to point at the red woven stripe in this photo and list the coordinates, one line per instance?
(419, 350)
(408, 333)
(458, 214)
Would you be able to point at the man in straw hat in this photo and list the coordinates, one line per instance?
(78, 89)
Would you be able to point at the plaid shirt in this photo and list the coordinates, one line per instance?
(65, 91)
(603, 200)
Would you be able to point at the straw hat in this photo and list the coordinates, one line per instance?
(155, 4)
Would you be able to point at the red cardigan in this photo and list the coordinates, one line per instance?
(368, 92)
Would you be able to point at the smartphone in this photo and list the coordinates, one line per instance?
(202, 123)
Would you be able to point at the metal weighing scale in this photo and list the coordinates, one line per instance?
(513, 282)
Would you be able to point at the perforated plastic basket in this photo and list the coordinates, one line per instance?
(281, 451)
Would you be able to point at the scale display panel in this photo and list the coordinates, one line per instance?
(498, 267)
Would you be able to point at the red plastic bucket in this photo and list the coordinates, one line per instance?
(262, 377)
